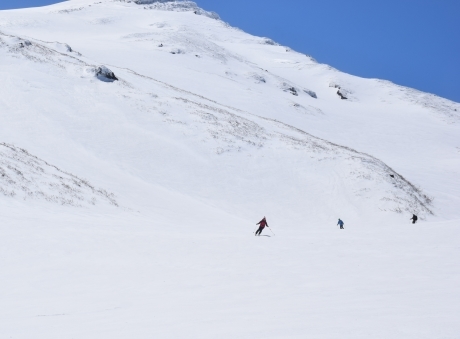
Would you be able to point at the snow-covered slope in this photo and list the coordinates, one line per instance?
(156, 122)
(29, 177)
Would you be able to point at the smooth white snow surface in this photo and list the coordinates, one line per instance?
(141, 142)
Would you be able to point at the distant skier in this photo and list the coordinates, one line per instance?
(341, 223)
(262, 225)
(414, 219)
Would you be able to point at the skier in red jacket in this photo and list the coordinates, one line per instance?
(262, 224)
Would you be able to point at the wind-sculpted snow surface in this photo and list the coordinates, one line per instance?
(27, 177)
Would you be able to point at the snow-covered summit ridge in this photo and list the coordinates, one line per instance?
(175, 5)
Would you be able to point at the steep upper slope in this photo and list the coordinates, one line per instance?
(201, 108)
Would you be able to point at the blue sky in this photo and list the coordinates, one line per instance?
(414, 43)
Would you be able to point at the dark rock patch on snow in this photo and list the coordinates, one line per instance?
(334, 85)
(267, 41)
(177, 51)
(25, 43)
(311, 93)
(341, 95)
(293, 91)
(290, 89)
(258, 78)
(105, 74)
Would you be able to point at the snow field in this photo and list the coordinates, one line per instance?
(100, 276)
(206, 130)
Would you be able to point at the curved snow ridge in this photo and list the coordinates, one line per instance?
(363, 175)
(397, 193)
(175, 5)
(25, 176)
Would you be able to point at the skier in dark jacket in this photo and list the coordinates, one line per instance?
(262, 225)
(414, 219)
(341, 223)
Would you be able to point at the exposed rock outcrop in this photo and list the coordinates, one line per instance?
(105, 74)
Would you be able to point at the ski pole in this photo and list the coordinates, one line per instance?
(271, 230)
